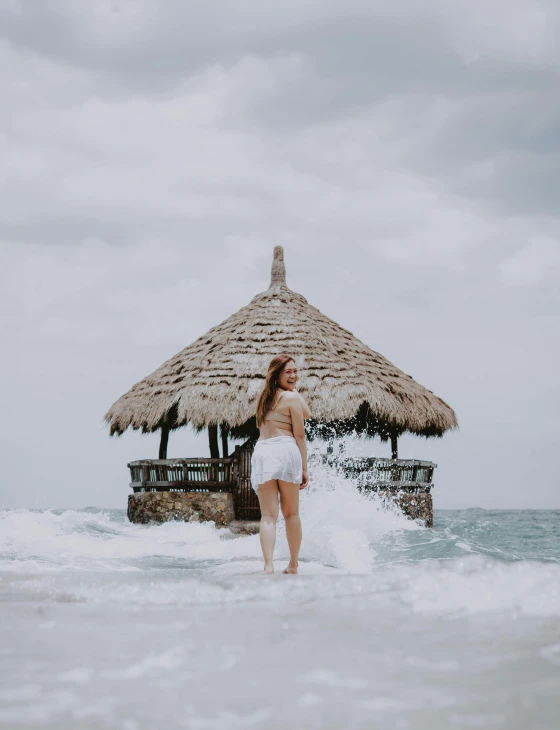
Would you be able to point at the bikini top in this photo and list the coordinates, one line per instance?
(273, 416)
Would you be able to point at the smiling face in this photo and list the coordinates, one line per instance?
(288, 376)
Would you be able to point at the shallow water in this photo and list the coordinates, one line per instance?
(105, 624)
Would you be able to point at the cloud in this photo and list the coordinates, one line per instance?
(153, 153)
(532, 264)
(127, 93)
(137, 171)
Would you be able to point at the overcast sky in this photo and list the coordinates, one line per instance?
(405, 154)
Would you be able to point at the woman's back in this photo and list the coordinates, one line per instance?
(278, 421)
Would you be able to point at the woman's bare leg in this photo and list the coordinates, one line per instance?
(268, 501)
(289, 502)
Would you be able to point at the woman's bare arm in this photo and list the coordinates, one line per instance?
(305, 407)
(298, 427)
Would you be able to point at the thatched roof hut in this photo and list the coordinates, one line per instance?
(217, 379)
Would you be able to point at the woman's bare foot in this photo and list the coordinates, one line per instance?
(269, 569)
(291, 569)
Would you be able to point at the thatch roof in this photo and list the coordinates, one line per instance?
(217, 379)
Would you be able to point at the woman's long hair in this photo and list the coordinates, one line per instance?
(268, 394)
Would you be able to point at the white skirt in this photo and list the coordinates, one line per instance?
(276, 458)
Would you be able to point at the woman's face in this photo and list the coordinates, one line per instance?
(288, 376)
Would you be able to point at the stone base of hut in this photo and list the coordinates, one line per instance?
(417, 506)
(150, 507)
(218, 507)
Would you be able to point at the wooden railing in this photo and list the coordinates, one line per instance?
(234, 474)
(245, 497)
(182, 475)
(410, 475)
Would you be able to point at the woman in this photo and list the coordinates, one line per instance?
(279, 461)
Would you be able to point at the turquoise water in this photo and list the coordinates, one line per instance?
(105, 624)
(500, 534)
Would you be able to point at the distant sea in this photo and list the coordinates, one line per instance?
(109, 625)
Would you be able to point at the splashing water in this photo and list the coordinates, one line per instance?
(388, 623)
(341, 526)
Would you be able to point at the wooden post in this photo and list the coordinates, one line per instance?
(224, 432)
(164, 441)
(145, 478)
(394, 446)
(213, 441)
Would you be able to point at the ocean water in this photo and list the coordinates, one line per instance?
(105, 624)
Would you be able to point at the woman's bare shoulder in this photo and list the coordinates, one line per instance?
(306, 411)
(295, 397)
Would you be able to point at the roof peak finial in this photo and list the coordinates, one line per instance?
(278, 272)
